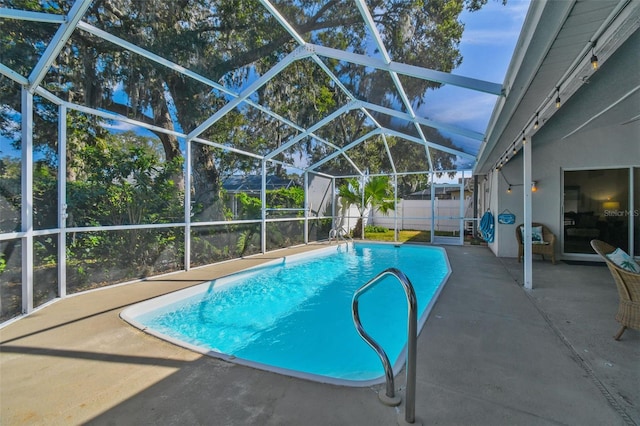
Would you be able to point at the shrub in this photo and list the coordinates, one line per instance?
(374, 228)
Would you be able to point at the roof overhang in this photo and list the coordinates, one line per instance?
(552, 59)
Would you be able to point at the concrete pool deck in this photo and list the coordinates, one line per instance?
(491, 353)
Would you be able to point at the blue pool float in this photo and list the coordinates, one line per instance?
(487, 227)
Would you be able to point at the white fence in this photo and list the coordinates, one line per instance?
(416, 215)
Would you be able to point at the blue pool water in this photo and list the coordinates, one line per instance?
(294, 316)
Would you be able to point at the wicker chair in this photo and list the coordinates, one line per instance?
(628, 284)
(547, 249)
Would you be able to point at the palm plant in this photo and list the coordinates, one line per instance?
(377, 195)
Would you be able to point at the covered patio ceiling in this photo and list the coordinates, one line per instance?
(553, 61)
(362, 83)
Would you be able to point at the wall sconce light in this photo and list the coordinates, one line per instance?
(534, 186)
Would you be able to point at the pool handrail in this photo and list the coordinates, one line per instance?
(337, 233)
(389, 396)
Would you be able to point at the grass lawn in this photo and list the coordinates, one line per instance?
(414, 236)
(403, 236)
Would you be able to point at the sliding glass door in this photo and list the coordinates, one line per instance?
(601, 204)
(636, 211)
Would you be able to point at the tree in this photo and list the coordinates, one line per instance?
(231, 42)
(377, 194)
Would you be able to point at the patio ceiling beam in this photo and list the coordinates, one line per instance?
(315, 172)
(368, 19)
(409, 70)
(300, 40)
(353, 164)
(428, 154)
(364, 106)
(152, 56)
(364, 12)
(57, 43)
(283, 21)
(333, 77)
(346, 91)
(294, 33)
(344, 149)
(112, 116)
(11, 74)
(264, 78)
(604, 111)
(386, 147)
(117, 117)
(227, 148)
(391, 132)
(51, 97)
(180, 69)
(424, 121)
(99, 113)
(319, 124)
(349, 160)
(27, 15)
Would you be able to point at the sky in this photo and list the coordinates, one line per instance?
(487, 46)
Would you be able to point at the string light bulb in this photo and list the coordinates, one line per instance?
(594, 58)
(524, 138)
(558, 98)
(509, 190)
(535, 125)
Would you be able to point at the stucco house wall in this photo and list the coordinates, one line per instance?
(607, 141)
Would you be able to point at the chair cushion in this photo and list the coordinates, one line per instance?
(623, 260)
(536, 234)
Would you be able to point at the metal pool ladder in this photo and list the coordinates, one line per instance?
(338, 233)
(389, 396)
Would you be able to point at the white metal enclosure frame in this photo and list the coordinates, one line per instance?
(32, 84)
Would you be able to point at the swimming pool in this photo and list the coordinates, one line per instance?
(293, 315)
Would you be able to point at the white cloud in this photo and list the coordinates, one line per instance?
(119, 126)
(519, 9)
(469, 110)
(490, 37)
(472, 109)
(495, 24)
